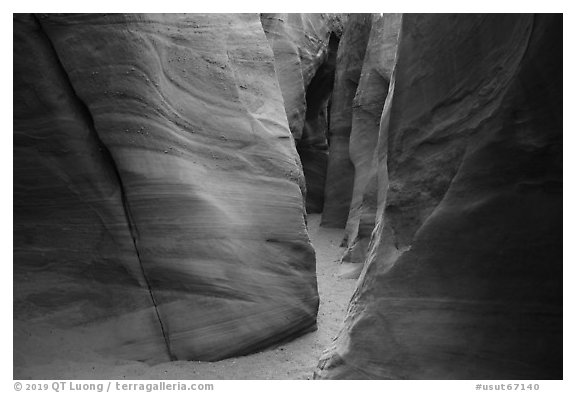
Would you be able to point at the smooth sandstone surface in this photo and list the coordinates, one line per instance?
(75, 263)
(160, 202)
(305, 47)
(296, 359)
(367, 109)
(158, 191)
(464, 279)
(340, 170)
(300, 46)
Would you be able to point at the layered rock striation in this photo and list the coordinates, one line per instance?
(157, 189)
(160, 198)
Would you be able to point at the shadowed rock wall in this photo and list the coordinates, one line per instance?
(157, 188)
(158, 191)
(313, 147)
(300, 43)
(464, 276)
(305, 47)
(340, 170)
(367, 109)
(75, 261)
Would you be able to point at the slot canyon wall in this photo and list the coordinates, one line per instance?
(340, 170)
(463, 277)
(366, 111)
(158, 193)
(305, 48)
(164, 166)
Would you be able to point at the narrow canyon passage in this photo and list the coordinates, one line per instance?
(207, 188)
(296, 359)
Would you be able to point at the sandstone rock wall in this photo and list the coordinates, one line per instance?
(159, 188)
(340, 170)
(75, 261)
(300, 43)
(305, 47)
(367, 109)
(158, 201)
(313, 147)
(464, 277)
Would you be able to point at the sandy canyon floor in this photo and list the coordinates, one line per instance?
(293, 360)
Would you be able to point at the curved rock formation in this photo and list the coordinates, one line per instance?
(340, 170)
(158, 203)
(300, 43)
(75, 263)
(159, 190)
(464, 278)
(305, 47)
(367, 109)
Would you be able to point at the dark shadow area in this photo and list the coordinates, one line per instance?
(313, 146)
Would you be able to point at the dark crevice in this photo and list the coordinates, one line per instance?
(109, 157)
(328, 112)
(313, 146)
